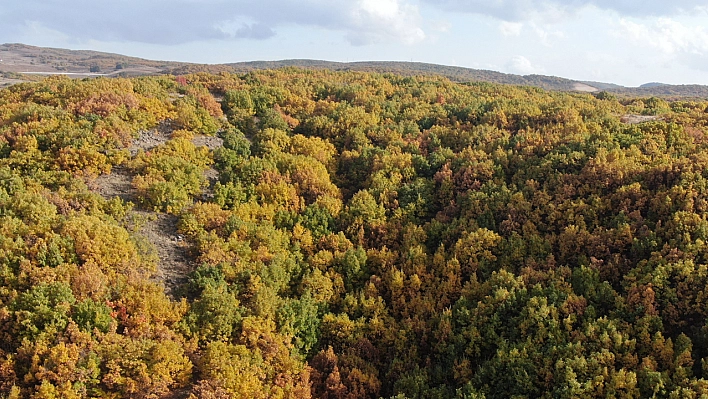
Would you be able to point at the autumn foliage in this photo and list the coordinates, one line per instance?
(357, 235)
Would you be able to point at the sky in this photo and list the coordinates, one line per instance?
(627, 42)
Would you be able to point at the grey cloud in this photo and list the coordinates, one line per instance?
(180, 21)
(519, 10)
(131, 20)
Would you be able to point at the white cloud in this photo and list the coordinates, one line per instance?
(373, 20)
(673, 41)
(440, 25)
(523, 66)
(385, 9)
(510, 28)
(546, 34)
(667, 35)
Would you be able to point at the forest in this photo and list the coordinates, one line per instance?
(366, 235)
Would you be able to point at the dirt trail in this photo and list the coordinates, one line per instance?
(115, 184)
(160, 229)
(175, 261)
(211, 174)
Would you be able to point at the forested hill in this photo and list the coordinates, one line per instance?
(458, 74)
(305, 234)
(18, 58)
(666, 91)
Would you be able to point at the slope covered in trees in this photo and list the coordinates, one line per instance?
(369, 236)
(24, 58)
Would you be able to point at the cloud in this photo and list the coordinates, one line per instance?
(510, 28)
(180, 21)
(521, 65)
(254, 31)
(673, 39)
(524, 10)
(546, 34)
(440, 25)
(667, 35)
(246, 30)
(377, 19)
(649, 7)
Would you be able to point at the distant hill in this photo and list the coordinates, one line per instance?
(23, 58)
(665, 91)
(458, 74)
(652, 84)
(20, 62)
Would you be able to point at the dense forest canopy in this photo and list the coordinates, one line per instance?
(368, 236)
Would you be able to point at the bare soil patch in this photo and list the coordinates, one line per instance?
(210, 142)
(632, 119)
(211, 174)
(149, 139)
(118, 183)
(584, 88)
(7, 82)
(174, 259)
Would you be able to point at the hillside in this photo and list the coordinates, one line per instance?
(33, 61)
(665, 91)
(20, 58)
(304, 234)
(22, 62)
(457, 74)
